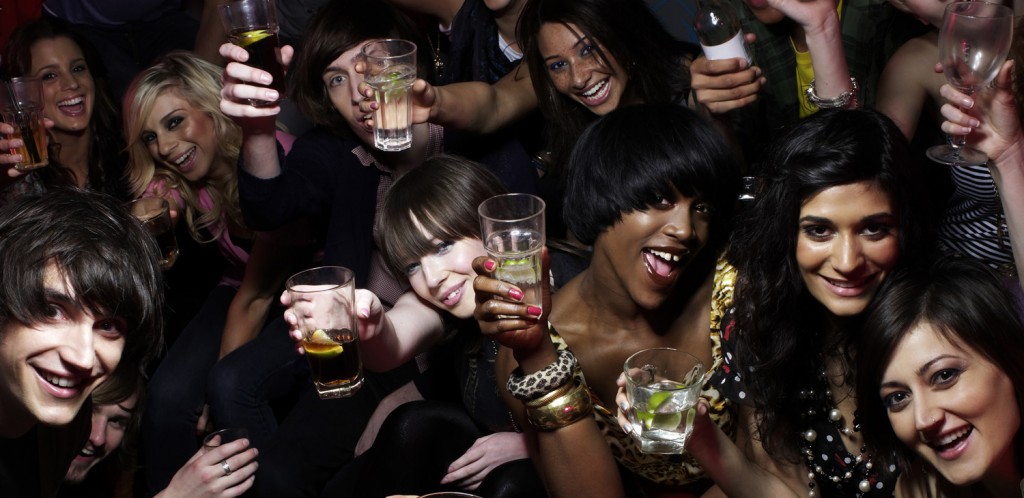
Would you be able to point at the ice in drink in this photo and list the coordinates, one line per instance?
(664, 413)
(392, 129)
(517, 254)
(334, 362)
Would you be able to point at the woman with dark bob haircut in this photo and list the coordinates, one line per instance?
(652, 188)
(946, 344)
(839, 209)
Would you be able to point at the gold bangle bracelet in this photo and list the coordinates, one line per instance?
(563, 411)
(558, 392)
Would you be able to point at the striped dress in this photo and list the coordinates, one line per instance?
(973, 224)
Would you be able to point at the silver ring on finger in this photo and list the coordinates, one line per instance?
(226, 467)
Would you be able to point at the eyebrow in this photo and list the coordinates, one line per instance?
(170, 113)
(886, 216)
(924, 368)
(58, 295)
(580, 38)
(921, 371)
(71, 63)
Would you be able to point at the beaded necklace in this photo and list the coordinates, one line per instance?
(839, 469)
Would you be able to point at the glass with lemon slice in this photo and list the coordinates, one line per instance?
(252, 25)
(322, 300)
(663, 385)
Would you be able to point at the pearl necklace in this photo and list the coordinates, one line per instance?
(859, 466)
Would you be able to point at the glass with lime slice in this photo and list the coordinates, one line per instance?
(391, 71)
(252, 25)
(663, 385)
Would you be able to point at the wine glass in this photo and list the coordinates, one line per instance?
(974, 40)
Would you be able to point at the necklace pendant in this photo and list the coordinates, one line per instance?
(438, 66)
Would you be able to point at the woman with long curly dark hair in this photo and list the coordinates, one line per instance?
(840, 209)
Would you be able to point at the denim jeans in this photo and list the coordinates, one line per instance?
(176, 393)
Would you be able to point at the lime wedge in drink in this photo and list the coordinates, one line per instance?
(667, 421)
(517, 271)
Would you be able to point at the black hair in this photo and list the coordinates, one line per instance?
(624, 30)
(778, 320)
(337, 27)
(107, 156)
(442, 196)
(634, 154)
(106, 256)
(963, 300)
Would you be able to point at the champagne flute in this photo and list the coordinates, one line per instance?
(974, 40)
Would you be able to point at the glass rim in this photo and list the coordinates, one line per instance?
(409, 44)
(514, 195)
(703, 368)
(1000, 9)
(347, 278)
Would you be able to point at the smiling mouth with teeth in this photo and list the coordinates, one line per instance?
(594, 90)
(60, 381)
(185, 157)
(661, 263)
(70, 102)
(950, 440)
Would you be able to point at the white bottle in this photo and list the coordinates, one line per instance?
(718, 29)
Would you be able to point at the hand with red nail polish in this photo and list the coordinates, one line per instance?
(501, 312)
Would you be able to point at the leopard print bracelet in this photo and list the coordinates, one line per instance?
(530, 387)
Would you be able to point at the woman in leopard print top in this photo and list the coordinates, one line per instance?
(652, 188)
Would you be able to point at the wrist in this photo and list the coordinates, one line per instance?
(826, 29)
(1013, 156)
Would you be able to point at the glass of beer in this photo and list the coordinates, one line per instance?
(155, 215)
(323, 300)
(390, 71)
(663, 385)
(252, 25)
(512, 228)
(21, 106)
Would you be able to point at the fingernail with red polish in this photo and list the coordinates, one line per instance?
(489, 265)
(515, 294)
(534, 310)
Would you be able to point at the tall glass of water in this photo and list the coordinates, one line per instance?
(512, 228)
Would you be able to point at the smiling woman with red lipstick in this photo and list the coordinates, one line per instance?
(651, 187)
(86, 148)
(945, 379)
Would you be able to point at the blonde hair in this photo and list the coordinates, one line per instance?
(199, 83)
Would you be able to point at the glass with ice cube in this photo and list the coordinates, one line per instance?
(663, 385)
(391, 71)
(512, 229)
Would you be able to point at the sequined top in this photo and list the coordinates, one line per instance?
(672, 469)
